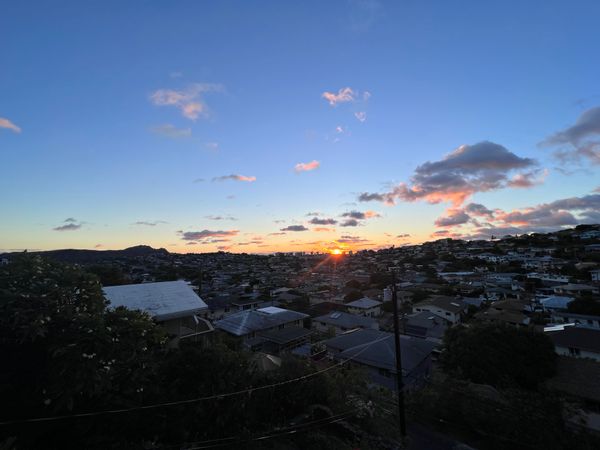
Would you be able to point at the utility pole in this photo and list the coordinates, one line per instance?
(399, 382)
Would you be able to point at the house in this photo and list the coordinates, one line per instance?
(574, 341)
(576, 380)
(508, 312)
(581, 320)
(365, 307)
(425, 325)
(173, 304)
(555, 303)
(375, 351)
(575, 290)
(339, 322)
(448, 308)
(595, 274)
(248, 324)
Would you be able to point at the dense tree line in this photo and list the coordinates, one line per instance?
(64, 352)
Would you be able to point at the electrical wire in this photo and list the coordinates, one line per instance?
(192, 400)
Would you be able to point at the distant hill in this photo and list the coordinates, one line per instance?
(95, 256)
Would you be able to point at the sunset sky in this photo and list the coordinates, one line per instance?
(285, 126)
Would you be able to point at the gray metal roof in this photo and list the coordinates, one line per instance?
(346, 320)
(376, 349)
(163, 301)
(249, 321)
(364, 303)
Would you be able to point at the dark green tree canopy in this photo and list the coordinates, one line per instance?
(502, 356)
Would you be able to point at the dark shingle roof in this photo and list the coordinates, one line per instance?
(346, 320)
(577, 337)
(376, 349)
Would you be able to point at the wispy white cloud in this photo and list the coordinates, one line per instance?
(214, 146)
(7, 124)
(361, 116)
(189, 101)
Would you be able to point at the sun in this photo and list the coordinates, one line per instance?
(336, 251)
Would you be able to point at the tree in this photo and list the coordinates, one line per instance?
(353, 295)
(585, 305)
(499, 355)
(63, 351)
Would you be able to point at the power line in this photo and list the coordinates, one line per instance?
(192, 400)
(274, 433)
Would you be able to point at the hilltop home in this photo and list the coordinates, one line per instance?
(255, 327)
(575, 341)
(375, 351)
(448, 308)
(339, 322)
(365, 307)
(173, 304)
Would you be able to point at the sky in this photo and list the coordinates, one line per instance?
(295, 126)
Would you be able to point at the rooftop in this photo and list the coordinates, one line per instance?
(249, 321)
(163, 300)
(364, 303)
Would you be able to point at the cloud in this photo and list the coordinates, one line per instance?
(68, 227)
(351, 240)
(528, 179)
(305, 167)
(214, 146)
(317, 221)
(276, 234)
(361, 116)
(220, 217)
(361, 215)
(189, 101)
(235, 177)
(171, 131)
(344, 95)
(350, 223)
(316, 213)
(295, 228)
(579, 141)
(362, 14)
(465, 171)
(7, 124)
(477, 209)
(206, 234)
(454, 218)
(199, 180)
(98, 246)
(402, 236)
(323, 229)
(149, 223)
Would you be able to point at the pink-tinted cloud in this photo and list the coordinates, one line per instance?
(235, 177)
(8, 125)
(305, 167)
(527, 179)
(455, 217)
(323, 230)
(324, 221)
(465, 171)
(344, 95)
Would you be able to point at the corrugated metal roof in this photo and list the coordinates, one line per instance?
(163, 300)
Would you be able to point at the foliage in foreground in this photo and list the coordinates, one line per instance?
(64, 352)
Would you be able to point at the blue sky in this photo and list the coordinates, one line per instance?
(109, 112)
